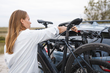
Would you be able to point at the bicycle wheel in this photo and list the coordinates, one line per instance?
(84, 48)
(96, 65)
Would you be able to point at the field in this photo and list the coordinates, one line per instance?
(3, 32)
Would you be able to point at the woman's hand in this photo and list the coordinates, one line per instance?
(74, 28)
(62, 29)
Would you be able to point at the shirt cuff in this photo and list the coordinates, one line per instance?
(57, 31)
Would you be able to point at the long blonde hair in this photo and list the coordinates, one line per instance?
(15, 26)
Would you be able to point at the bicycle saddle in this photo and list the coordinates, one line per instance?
(42, 21)
(45, 23)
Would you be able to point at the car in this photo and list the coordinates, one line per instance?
(93, 26)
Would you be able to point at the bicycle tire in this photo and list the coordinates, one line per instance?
(84, 48)
(94, 62)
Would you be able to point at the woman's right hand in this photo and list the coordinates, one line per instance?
(62, 29)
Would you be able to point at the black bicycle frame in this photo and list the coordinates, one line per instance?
(45, 59)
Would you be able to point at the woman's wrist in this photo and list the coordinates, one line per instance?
(62, 29)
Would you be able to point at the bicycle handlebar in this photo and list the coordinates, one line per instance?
(74, 22)
(63, 24)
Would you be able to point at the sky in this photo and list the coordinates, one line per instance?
(56, 11)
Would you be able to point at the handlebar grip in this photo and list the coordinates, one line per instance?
(75, 21)
(63, 24)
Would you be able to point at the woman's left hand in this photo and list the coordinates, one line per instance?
(74, 28)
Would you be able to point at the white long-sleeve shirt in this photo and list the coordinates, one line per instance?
(24, 57)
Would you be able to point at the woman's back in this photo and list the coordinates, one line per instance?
(24, 57)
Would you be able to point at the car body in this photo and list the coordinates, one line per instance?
(92, 26)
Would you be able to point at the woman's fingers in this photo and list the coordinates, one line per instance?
(74, 29)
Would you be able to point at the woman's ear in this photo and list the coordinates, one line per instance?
(22, 21)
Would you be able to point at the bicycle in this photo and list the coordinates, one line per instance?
(67, 63)
(93, 52)
(97, 54)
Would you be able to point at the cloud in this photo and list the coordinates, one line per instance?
(57, 11)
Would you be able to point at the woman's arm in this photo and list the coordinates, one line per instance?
(45, 34)
(62, 29)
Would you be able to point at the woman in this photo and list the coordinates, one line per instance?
(21, 43)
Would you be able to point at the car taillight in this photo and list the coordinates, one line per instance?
(78, 30)
(46, 50)
(105, 69)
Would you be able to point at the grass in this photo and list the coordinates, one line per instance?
(3, 29)
(2, 38)
(3, 32)
(2, 43)
(2, 48)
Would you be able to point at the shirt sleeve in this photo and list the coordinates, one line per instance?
(44, 34)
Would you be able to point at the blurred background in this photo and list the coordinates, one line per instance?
(56, 11)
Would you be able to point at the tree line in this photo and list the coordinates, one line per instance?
(97, 10)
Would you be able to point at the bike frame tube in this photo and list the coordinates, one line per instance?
(46, 60)
(65, 52)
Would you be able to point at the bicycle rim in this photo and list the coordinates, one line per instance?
(96, 65)
(85, 48)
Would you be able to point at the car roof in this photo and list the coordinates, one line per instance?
(93, 25)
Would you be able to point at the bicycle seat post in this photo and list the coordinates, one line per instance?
(45, 24)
